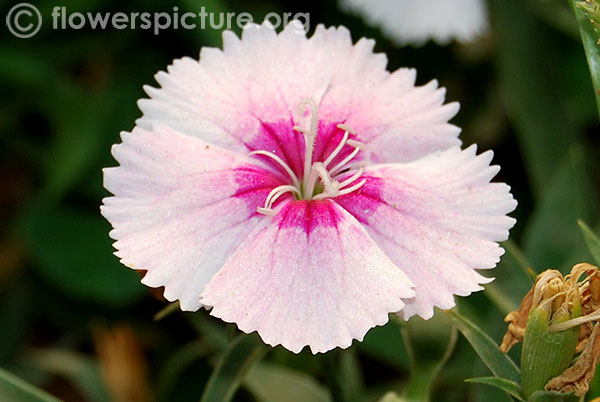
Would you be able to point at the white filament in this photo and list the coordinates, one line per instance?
(343, 163)
(280, 162)
(337, 150)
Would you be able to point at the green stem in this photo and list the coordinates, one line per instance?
(243, 352)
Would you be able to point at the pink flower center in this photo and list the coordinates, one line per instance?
(320, 180)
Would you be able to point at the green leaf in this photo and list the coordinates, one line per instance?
(508, 386)
(273, 383)
(14, 389)
(243, 352)
(80, 370)
(532, 95)
(74, 253)
(500, 364)
(430, 343)
(587, 15)
(592, 241)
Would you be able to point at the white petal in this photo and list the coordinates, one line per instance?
(180, 208)
(312, 276)
(417, 21)
(438, 219)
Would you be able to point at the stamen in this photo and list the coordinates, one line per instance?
(266, 211)
(273, 196)
(356, 144)
(353, 188)
(347, 159)
(278, 192)
(346, 128)
(277, 159)
(352, 179)
(322, 196)
(337, 150)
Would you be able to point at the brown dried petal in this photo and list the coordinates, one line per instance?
(576, 379)
(518, 321)
(584, 334)
(589, 289)
(594, 286)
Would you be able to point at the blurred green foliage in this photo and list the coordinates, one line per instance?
(525, 91)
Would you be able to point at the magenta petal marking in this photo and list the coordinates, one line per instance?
(364, 202)
(254, 183)
(280, 139)
(308, 215)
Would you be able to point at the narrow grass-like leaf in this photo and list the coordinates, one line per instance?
(81, 371)
(272, 383)
(587, 14)
(166, 311)
(14, 389)
(520, 258)
(243, 352)
(500, 364)
(592, 241)
(508, 386)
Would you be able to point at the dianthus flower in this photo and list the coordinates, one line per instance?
(416, 21)
(295, 187)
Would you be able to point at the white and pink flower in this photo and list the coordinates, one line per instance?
(296, 188)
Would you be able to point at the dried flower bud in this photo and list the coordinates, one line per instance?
(555, 321)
